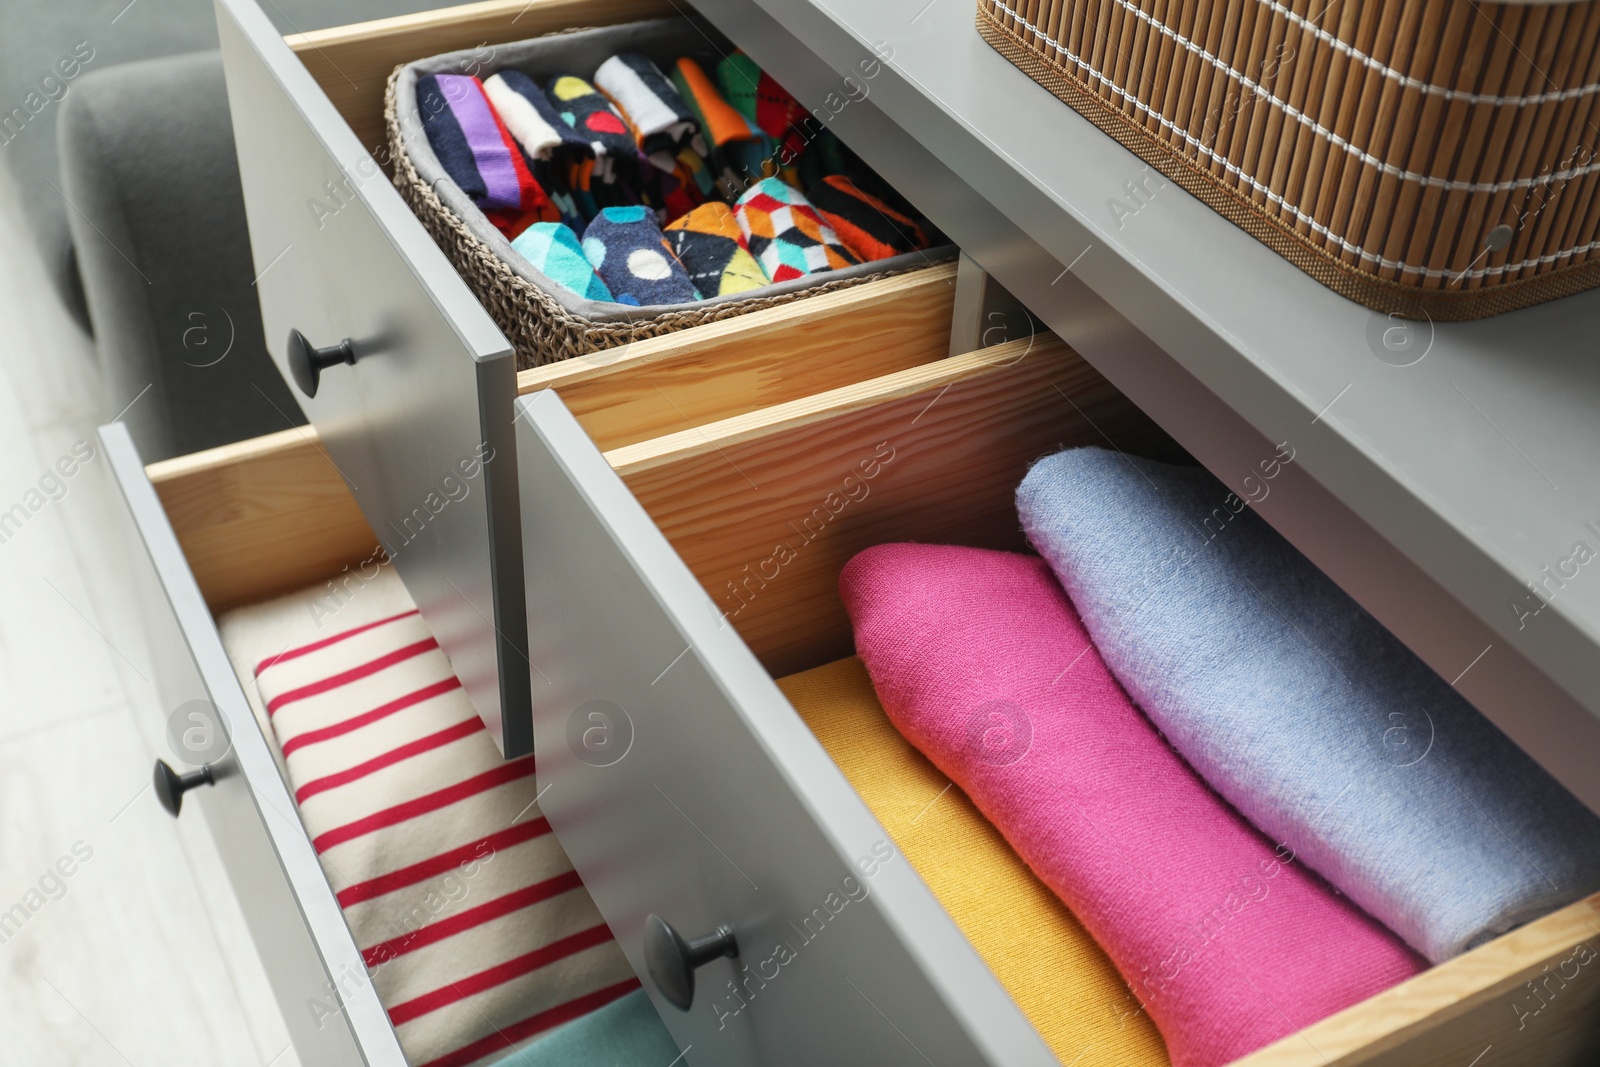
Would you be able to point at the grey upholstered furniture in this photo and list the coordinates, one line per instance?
(114, 126)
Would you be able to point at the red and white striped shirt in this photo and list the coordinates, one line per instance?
(476, 931)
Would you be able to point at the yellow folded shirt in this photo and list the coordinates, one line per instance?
(1049, 964)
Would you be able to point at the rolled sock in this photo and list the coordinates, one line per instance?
(552, 174)
(648, 103)
(868, 227)
(554, 251)
(599, 182)
(687, 185)
(982, 663)
(708, 243)
(785, 233)
(472, 145)
(739, 153)
(625, 1033)
(1300, 709)
(586, 110)
(531, 118)
(625, 247)
(763, 101)
(1041, 954)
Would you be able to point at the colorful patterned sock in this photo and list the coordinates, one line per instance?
(586, 110)
(651, 107)
(552, 174)
(763, 101)
(554, 251)
(785, 233)
(867, 226)
(530, 116)
(709, 244)
(679, 191)
(740, 154)
(474, 147)
(625, 247)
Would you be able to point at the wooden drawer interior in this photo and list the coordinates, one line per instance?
(947, 444)
(929, 453)
(766, 508)
(659, 385)
(772, 447)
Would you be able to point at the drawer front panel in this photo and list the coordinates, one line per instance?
(316, 971)
(420, 425)
(683, 784)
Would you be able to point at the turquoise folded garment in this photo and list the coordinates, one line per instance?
(625, 1033)
(1301, 710)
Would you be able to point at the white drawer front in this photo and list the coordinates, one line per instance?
(317, 974)
(705, 800)
(420, 425)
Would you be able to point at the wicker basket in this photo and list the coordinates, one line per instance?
(1428, 158)
(543, 322)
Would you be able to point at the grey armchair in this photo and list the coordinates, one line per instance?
(115, 127)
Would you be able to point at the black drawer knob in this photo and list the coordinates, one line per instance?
(672, 961)
(170, 785)
(306, 364)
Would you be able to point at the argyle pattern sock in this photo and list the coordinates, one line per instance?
(763, 101)
(554, 251)
(648, 103)
(740, 154)
(475, 148)
(625, 247)
(785, 233)
(867, 226)
(709, 244)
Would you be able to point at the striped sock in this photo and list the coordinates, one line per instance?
(867, 226)
(648, 103)
(478, 152)
(740, 154)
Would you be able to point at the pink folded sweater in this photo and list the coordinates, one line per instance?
(981, 661)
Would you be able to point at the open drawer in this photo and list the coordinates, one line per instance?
(672, 581)
(724, 809)
(428, 390)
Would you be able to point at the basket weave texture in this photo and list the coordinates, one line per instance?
(538, 327)
(1428, 158)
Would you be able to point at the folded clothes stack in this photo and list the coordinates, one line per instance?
(477, 934)
(702, 169)
(1261, 805)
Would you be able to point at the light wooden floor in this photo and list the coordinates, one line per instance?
(140, 957)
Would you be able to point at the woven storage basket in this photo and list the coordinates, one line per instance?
(544, 322)
(1429, 158)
